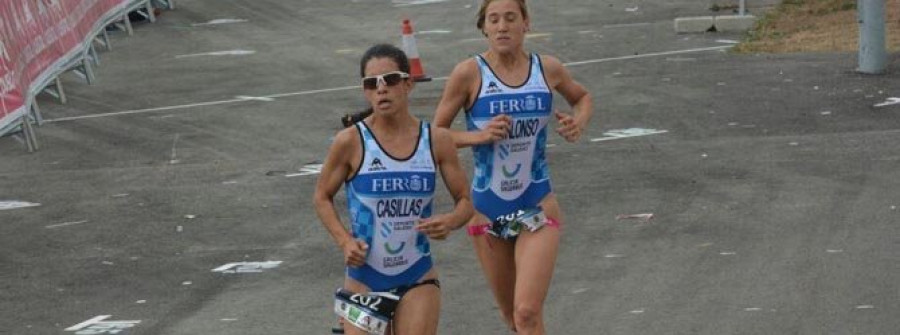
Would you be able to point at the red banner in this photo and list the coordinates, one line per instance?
(38, 38)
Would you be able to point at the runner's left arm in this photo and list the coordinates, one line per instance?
(578, 97)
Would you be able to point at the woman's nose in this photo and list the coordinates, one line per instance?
(382, 86)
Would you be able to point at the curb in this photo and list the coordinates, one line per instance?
(722, 23)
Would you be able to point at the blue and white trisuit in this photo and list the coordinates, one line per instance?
(386, 198)
(511, 174)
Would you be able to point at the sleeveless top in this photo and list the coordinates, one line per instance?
(512, 173)
(386, 198)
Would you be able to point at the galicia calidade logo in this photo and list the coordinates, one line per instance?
(393, 251)
(513, 173)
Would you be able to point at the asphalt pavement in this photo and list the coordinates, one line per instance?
(173, 196)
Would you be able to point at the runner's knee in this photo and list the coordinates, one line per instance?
(527, 316)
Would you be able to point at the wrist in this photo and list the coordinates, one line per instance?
(483, 137)
(581, 121)
(342, 241)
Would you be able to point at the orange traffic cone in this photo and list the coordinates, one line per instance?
(409, 47)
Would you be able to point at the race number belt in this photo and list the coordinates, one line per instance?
(371, 312)
(509, 226)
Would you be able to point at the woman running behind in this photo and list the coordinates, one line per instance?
(507, 95)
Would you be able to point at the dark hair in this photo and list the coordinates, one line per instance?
(482, 12)
(350, 119)
(384, 51)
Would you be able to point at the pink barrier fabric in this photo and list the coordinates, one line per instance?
(38, 38)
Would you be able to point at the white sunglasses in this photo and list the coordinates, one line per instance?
(388, 79)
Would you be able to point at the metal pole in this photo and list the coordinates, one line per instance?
(743, 9)
(872, 52)
(28, 131)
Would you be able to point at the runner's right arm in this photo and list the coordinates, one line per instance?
(335, 170)
(463, 81)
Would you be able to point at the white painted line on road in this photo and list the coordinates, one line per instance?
(728, 41)
(676, 52)
(626, 25)
(4, 205)
(865, 307)
(626, 133)
(247, 267)
(614, 256)
(324, 90)
(355, 87)
(220, 53)
(218, 21)
(834, 251)
(888, 102)
(173, 160)
(642, 216)
(537, 35)
(87, 323)
(580, 290)
(681, 59)
(427, 32)
(120, 195)
(310, 169)
(249, 98)
(406, 3)
(637, 311)
(65, 224)
(727, 253)
(140, 111)
(98, 326)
